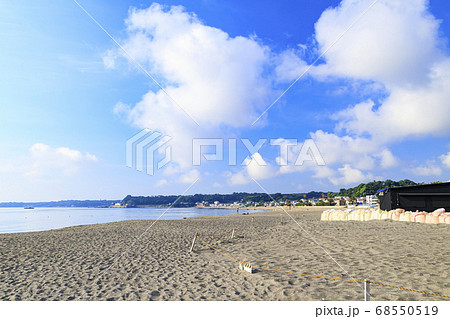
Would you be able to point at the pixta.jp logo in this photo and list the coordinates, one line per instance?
(147, 149)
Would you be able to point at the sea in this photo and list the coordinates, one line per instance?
(18, 220)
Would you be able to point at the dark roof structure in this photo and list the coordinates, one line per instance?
(428, 197)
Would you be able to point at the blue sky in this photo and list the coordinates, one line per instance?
(376, 103)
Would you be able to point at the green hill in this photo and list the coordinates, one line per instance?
(191, 200)
(371, 188)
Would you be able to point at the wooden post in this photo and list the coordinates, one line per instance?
(232, 233)
(366, 290)
(193, 242)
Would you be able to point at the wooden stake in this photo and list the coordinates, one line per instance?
(193, 242)
(232, 234)
(366, 290)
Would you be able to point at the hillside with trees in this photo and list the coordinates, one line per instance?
(191, 200)
(324, 198)
(371, 188)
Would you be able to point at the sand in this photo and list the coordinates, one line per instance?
(66, 264)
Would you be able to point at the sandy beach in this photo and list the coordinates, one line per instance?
(66, 264)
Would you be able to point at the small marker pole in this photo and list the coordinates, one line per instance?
(366, 290)
(232, 234)
(193, 242)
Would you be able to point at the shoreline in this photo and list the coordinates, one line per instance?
(65, 264)
(90, 222)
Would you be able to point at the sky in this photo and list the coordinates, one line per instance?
(316, 95)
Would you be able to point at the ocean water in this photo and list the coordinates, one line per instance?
(17, 220)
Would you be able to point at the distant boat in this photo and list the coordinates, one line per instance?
(29, 207)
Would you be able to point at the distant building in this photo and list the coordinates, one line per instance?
(371, 200)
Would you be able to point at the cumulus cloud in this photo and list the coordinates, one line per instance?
(109, 59)
(324, 172)
(415, 112)
(340, 159)
(396, 44)
(216, 79)
(445, 158)
(349, 175)
(224, 82)
(190, 177)
(387, 159)
(428, 170)
(289, 66)
(358, 151)
(162, 182)
(258, 171)
(121, 108)
(239, 178)
(46, 162)
(254, 168)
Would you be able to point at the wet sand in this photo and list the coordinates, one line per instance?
(80, 263)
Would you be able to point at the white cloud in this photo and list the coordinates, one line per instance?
(238, 178)
(358, 151)
(445, 158)
(255, 168)
(109, 59)
(224, 82)
(429, 170)
(48, 163)
(349, 175)
(289, 66)
(324, 172)
(354, 153)
(217, 79)
(405, 112)
(121, 108)
(387, 159)
(257, 171)
(190, 177)
(162, 182)
(396, 44)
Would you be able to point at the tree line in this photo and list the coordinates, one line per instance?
(371, 188)
(362, 189)
(192, 200)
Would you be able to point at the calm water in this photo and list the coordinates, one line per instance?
(16, 220)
